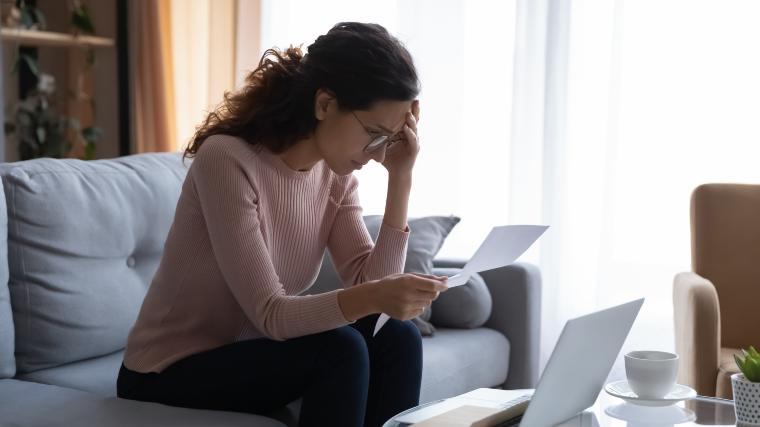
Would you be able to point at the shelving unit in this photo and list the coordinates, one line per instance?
(49, 38)
(64, 55)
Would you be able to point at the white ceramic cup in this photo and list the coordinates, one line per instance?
(651, 374)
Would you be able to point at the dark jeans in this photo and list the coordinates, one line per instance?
(345, 376)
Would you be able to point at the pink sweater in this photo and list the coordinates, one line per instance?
(248, 237)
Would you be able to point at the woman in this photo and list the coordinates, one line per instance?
(224, 325)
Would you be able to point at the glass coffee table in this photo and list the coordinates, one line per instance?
(609, 411)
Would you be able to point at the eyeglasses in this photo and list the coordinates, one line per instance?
(377, 142)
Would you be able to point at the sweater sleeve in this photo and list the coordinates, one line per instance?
(356, 258)
(229, 204)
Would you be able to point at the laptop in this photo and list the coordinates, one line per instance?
(573, 377)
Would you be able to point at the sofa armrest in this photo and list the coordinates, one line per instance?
(697, 326)
(516, 312)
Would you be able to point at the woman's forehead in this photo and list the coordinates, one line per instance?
(388, 114)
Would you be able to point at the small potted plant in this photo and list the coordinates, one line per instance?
(746, 387)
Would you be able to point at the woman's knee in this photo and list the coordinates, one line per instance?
(402, 333)
(345, 343)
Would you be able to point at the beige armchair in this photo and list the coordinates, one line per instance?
(717, 306)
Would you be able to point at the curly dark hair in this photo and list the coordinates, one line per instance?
(360, 64)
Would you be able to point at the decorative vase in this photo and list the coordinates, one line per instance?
(746, 400)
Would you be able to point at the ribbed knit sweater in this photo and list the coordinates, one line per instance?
(248, 237)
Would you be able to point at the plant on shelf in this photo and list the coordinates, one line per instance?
(746, 386)
(40, 130)
(23, 14)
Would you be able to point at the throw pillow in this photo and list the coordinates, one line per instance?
(465, 307)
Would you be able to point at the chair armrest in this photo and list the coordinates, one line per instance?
(696, 313)
(516, 312)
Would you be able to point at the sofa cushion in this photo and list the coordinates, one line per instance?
(84, 240)
(468, 306)
(7, 361)
(456, 361)
(96, 375)
(28, 404)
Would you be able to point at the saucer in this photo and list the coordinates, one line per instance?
(622, 390)
(643, 415)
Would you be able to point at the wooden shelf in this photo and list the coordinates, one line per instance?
(48, 38)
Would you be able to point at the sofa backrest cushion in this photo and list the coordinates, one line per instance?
(7, 361)
(84, 240)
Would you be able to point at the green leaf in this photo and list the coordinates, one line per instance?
(89, 151)
(753, 370)
(754, 353)
(41, 134)
(32, 64)
(42, 23)
(739, 362)
(80, 19)
(26, 20)
(92, 134)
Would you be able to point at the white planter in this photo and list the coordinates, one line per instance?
(746, 400)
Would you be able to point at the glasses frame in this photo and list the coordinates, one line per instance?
(377, 142)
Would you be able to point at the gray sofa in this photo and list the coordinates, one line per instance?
(79, 243)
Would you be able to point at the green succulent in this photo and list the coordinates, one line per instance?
(749, 364)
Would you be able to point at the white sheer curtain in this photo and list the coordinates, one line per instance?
(464, 52)
(203, 34)
(644, 101)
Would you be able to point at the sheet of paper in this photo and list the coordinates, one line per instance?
(503, 245)
(458, 280)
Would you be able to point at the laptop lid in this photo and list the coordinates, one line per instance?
(580, 364)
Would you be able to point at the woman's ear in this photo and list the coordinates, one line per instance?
(322, 101)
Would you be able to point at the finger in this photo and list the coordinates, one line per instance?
(389, 151)
(396, 138)
(430, 285)
(421, 302)
(410, 135)
(411, 121)
(430, 296)
(437, 279)
(426, 295)
(430, 276)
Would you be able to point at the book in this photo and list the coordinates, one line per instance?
(486, 405)
(474, 416)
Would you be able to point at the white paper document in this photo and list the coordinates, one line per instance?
(502, 247)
